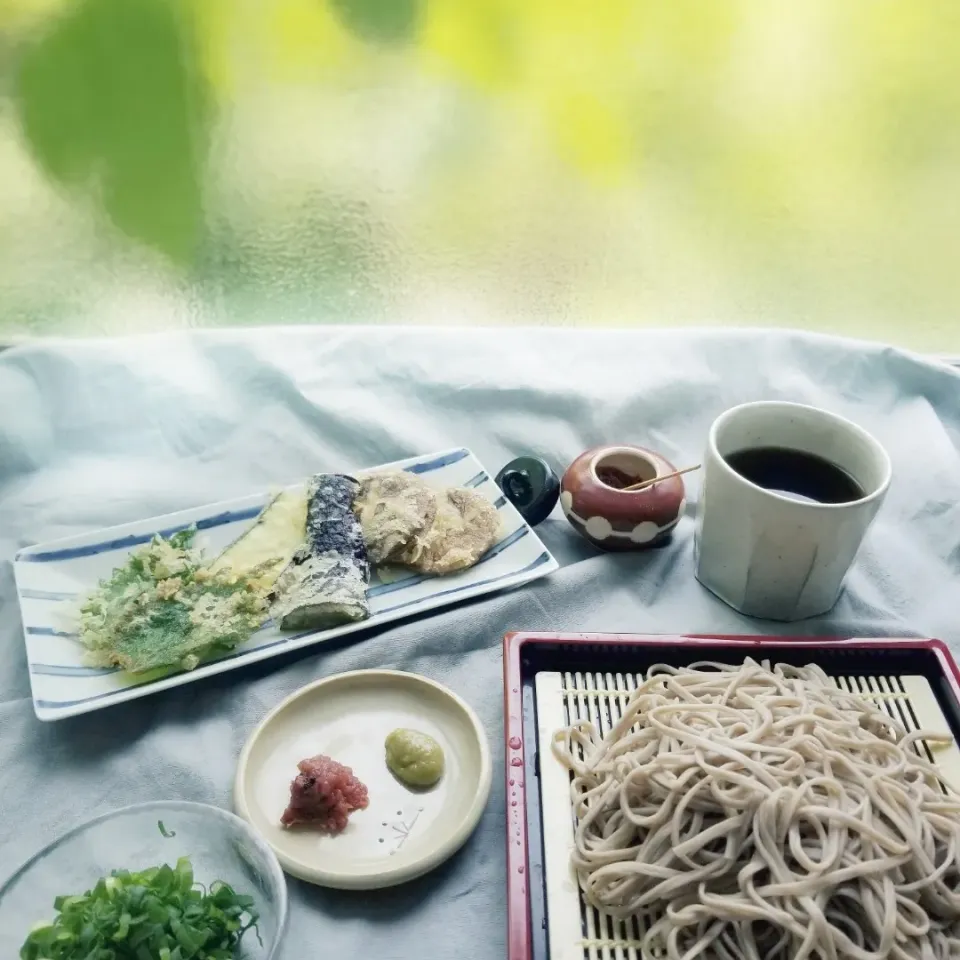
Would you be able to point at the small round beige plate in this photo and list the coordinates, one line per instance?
(403, 833)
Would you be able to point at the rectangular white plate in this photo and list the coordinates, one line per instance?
(53, 577)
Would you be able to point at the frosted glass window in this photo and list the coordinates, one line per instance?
(174, 163)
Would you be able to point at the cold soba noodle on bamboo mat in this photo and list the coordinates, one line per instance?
(761, 813)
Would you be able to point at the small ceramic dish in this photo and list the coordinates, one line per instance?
(598, 508)
(404, 832)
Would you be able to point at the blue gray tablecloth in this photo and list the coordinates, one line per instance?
(101, 432)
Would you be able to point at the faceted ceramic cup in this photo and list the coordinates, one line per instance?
(764, 553)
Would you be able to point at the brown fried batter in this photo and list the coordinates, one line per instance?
(405, 521)
(466, 525)
(393, 508)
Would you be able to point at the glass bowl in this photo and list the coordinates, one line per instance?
(220, 846)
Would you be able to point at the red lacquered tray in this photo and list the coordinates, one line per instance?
(934, 692)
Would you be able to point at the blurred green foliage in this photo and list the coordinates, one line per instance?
(178, 162)
(389, 21)
(109, 99)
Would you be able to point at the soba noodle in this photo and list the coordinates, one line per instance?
(761, 813)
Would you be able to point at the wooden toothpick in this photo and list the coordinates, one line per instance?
(667, 476)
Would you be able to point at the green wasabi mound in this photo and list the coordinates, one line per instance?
(414, 758)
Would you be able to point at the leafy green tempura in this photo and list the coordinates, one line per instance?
(166, 607)
(156, 914)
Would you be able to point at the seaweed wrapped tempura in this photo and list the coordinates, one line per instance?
(325, 584)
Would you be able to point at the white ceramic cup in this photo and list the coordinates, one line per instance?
(766, 554)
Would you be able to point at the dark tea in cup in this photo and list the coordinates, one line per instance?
(796, 474)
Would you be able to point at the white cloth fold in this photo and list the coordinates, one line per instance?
(100, 432)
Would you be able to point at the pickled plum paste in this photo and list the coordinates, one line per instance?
(323, 795)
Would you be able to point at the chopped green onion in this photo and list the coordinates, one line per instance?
(155, 914)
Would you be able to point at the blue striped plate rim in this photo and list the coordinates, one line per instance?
(218, 520)
(56, 596)
(372, 622)
(64, 670)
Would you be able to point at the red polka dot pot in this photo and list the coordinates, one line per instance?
(595, 503)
